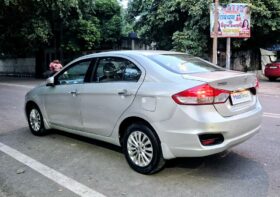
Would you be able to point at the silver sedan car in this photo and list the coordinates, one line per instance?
(156, 105)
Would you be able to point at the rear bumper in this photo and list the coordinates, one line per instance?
(201, 151)
(272, 72)
(179, 135)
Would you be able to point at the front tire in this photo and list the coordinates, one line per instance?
(35, 121)
(142, 149)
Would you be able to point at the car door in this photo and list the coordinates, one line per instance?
(114, 85)
(62, 102)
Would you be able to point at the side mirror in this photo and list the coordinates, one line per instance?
(50, 81)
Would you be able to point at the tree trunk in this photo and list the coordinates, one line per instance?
(39, 68)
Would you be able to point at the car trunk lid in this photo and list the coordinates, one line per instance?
(240, 85)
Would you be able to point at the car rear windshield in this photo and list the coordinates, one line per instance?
(184, 64)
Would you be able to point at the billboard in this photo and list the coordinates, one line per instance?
(234, 20)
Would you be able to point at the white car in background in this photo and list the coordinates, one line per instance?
(156, 105)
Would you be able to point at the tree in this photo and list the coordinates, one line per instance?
(73, 25)
(184, 25)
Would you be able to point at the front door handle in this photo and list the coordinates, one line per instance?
(74, 92)
(124, 92)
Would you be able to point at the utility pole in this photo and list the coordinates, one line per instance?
(215, 37)
(228, 54)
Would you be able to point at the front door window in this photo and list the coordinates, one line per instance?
(75, 74)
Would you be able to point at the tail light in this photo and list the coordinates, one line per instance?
(275, 65)
(201, 95)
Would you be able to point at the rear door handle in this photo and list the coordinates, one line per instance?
(124, 92)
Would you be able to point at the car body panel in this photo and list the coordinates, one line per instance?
(182, 139)
(232, 81)
(99, 99)
(62, 105)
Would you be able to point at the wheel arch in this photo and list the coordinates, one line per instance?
(29, 105)
(130, 120)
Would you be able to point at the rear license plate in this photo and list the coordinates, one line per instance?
(240, 97)
(273, 67)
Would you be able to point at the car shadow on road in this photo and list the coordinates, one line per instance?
(228, 164)
(231, 173)
(88, 140)
(194, 162)
(228, 160)
(225, 165)
(187, 163)
(221, 159)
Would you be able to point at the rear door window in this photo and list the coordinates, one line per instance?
(115, 69)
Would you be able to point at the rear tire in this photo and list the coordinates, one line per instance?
(142, 149)
(272, 78)
(35, 121)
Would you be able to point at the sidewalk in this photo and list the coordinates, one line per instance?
(266, 87)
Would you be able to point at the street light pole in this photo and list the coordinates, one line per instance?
(228, 54)
(215, 37)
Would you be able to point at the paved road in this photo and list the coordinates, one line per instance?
(250, 169)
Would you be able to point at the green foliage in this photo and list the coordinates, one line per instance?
(72, 25)
(265, 22)
(36, 31)
(107, 8)
(126, 25)
(87, 35)
(195, 34)
(111, 29)
(190, 41)
(174, 24)
(184, 24)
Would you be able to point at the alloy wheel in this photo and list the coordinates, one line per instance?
(140, 148)
(35, 120)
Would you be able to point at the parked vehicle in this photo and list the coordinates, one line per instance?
(272, 70)
(156, 105)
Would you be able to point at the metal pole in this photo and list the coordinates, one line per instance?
(215, 38)
(228, 54)
(132, 44)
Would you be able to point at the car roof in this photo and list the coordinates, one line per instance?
(132, 52)
(127, 53)
(144, 52)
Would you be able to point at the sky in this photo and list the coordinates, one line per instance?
(123, 3)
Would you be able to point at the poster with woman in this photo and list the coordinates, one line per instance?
(233, 20)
